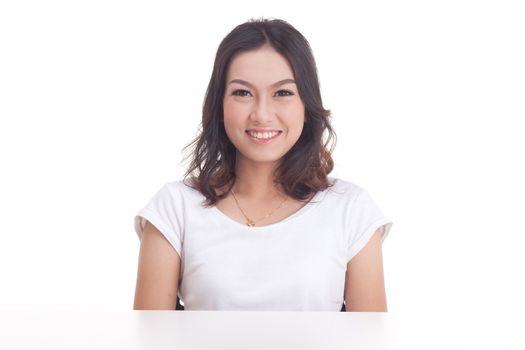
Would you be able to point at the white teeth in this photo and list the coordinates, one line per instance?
(263, 135)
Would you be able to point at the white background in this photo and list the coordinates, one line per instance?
(97, 99)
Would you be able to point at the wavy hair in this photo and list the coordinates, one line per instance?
(304, 169)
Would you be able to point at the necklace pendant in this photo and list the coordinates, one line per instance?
(250, 223)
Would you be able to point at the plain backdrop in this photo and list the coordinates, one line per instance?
(97, 99)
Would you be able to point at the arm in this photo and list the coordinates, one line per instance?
(365, 286)
(158, 272)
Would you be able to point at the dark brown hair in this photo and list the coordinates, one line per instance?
(304, 169)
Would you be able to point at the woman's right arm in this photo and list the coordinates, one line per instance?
(158, 272)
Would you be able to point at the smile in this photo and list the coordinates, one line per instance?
(263, 137)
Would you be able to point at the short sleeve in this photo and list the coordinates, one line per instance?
(164, 211)
(365, 218)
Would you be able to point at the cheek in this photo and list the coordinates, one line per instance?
(227, 105)
(293, 113)
(233, 117)
(234, 110)
(295, 107)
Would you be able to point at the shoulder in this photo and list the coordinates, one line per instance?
(342, 188)
(172, 193)
(341, 197)
(182, 194)
(178, 188)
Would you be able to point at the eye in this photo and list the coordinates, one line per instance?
(245, 93)
(286, 93)
(240, 93)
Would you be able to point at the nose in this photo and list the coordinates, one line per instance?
(263, 111)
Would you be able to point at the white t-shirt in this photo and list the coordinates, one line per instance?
(297, 264)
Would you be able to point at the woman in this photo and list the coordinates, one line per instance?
(256, 223)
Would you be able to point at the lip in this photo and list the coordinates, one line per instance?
(265, 141)
(262, 130)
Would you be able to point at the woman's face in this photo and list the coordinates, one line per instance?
(263, 112)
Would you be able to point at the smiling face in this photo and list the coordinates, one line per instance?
(263, 112)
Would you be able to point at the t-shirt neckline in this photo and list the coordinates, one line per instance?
(315, 200)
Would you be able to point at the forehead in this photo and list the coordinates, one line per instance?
(260, 66)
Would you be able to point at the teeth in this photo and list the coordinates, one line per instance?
(263, 135)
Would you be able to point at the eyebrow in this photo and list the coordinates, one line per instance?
(279, 83)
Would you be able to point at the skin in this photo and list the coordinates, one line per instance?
(260, 92)
(254, 100)
(260, 103)
(365, 285)
(158, 272)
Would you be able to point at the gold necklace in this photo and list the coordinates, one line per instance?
(250, 222)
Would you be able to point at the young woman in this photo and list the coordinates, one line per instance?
(256, 223)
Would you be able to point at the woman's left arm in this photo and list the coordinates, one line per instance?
(365, 284)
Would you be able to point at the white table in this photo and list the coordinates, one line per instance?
(252, 330)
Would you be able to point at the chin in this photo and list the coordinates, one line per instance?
(259, 158)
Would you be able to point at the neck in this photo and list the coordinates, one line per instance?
(255, 180)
